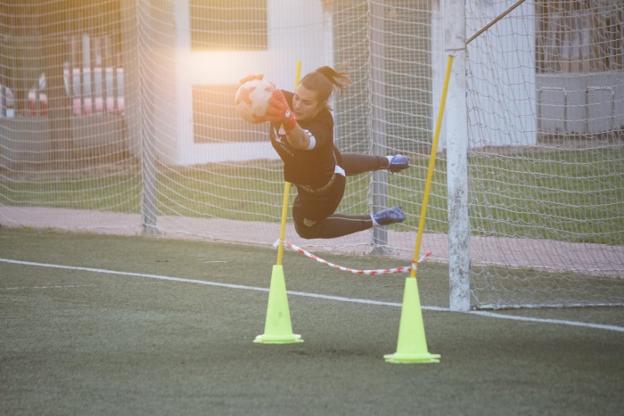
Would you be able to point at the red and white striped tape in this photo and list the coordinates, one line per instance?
(375, 272)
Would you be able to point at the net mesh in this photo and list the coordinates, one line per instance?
(545, 115)
(117, 117)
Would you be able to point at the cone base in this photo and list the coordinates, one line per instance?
(399, 358)
(278, 339)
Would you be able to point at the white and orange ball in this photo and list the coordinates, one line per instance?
(252, 99)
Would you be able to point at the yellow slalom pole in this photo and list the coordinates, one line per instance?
(277, 325)
(282, 235)
(412, 344)
(431, 167)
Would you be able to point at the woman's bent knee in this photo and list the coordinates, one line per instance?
(305, 231)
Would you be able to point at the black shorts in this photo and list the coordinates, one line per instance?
(318, 206)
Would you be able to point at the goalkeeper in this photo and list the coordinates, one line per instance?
(301, 132)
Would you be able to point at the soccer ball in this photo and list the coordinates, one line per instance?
(252, 99)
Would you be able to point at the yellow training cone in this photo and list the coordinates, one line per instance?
(412, 345)
(277, 328)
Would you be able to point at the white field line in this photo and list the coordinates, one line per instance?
(44, 287)
(613, 328)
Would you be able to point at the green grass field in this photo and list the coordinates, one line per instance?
(82, 341)
(556, 195)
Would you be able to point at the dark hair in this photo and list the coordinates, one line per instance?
(325, 80)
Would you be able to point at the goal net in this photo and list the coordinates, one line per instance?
(118, 117)
(545, 109)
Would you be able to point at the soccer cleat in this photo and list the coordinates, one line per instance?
(388, 216)
(397, 163)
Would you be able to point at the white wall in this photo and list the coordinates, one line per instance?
(500, 65)
(299, 29)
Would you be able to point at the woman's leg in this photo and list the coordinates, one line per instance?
(333, 226)
(338, 225)
(314, 216)
(354, 163)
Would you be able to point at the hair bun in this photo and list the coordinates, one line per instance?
(340, 80)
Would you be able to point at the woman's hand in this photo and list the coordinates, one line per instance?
(279, 111)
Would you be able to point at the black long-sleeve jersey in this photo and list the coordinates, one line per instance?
(313, 167)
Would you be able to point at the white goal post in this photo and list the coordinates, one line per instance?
(498, 120)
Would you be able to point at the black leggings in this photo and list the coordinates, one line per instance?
(314, 214)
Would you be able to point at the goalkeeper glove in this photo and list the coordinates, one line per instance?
(279, 111)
